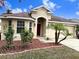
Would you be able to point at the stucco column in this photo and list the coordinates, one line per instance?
(35, 27)
(46, 27)
(14, 25)
(74, 36)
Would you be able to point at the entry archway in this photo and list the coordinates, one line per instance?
(41, 27)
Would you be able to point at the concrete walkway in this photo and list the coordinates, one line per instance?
(72, 43)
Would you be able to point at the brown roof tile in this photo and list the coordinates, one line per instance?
(55, 18)
(18, 15)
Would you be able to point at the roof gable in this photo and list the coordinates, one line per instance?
(42, 6)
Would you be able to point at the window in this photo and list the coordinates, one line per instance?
(20, 26)
(30, 26)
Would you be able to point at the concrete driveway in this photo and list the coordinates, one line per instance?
(72, 43)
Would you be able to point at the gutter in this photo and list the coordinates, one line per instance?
(2, 17)
(69, 23)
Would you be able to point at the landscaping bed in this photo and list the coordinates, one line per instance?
(48, 53)
(17, 46)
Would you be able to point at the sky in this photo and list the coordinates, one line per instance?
(62, 8)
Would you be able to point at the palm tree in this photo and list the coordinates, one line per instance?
(59, 29)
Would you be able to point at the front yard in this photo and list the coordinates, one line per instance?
(50, 53)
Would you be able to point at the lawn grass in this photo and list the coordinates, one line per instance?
(50, 53)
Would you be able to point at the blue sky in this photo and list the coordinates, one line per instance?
(62, 8)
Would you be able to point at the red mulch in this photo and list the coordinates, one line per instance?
(34, 44)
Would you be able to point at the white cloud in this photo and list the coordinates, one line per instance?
(25, 10)
(77, 13)
(50, 5)
(7, 5)
(31, 6)
(17, 10)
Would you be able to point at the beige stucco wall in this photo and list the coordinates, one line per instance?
(17, 35)
(72, 31)
(41, 12)
(51, 33)
(4, 26)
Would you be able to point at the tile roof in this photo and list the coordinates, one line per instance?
(60, 19)
(17, 15)
(27, 15)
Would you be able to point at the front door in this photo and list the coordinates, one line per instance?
(38, 29)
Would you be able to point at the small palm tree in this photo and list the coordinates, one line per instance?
(59, 28)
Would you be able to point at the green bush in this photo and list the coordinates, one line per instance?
(47, 38)
(77, 27)
(26, 37)
(9, 36)
(77, 31)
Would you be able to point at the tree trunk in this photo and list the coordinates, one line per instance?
(63, 39)
(58, 34)
(56, 37)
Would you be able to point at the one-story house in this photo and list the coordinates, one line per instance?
(36, 21)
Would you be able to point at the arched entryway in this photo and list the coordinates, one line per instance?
(41, 27)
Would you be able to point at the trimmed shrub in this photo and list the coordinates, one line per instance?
(26, 37)
(9, 36)
(47, 38)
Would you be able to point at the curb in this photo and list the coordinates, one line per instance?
(29, 50)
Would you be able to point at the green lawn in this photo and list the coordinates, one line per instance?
(51, 53)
